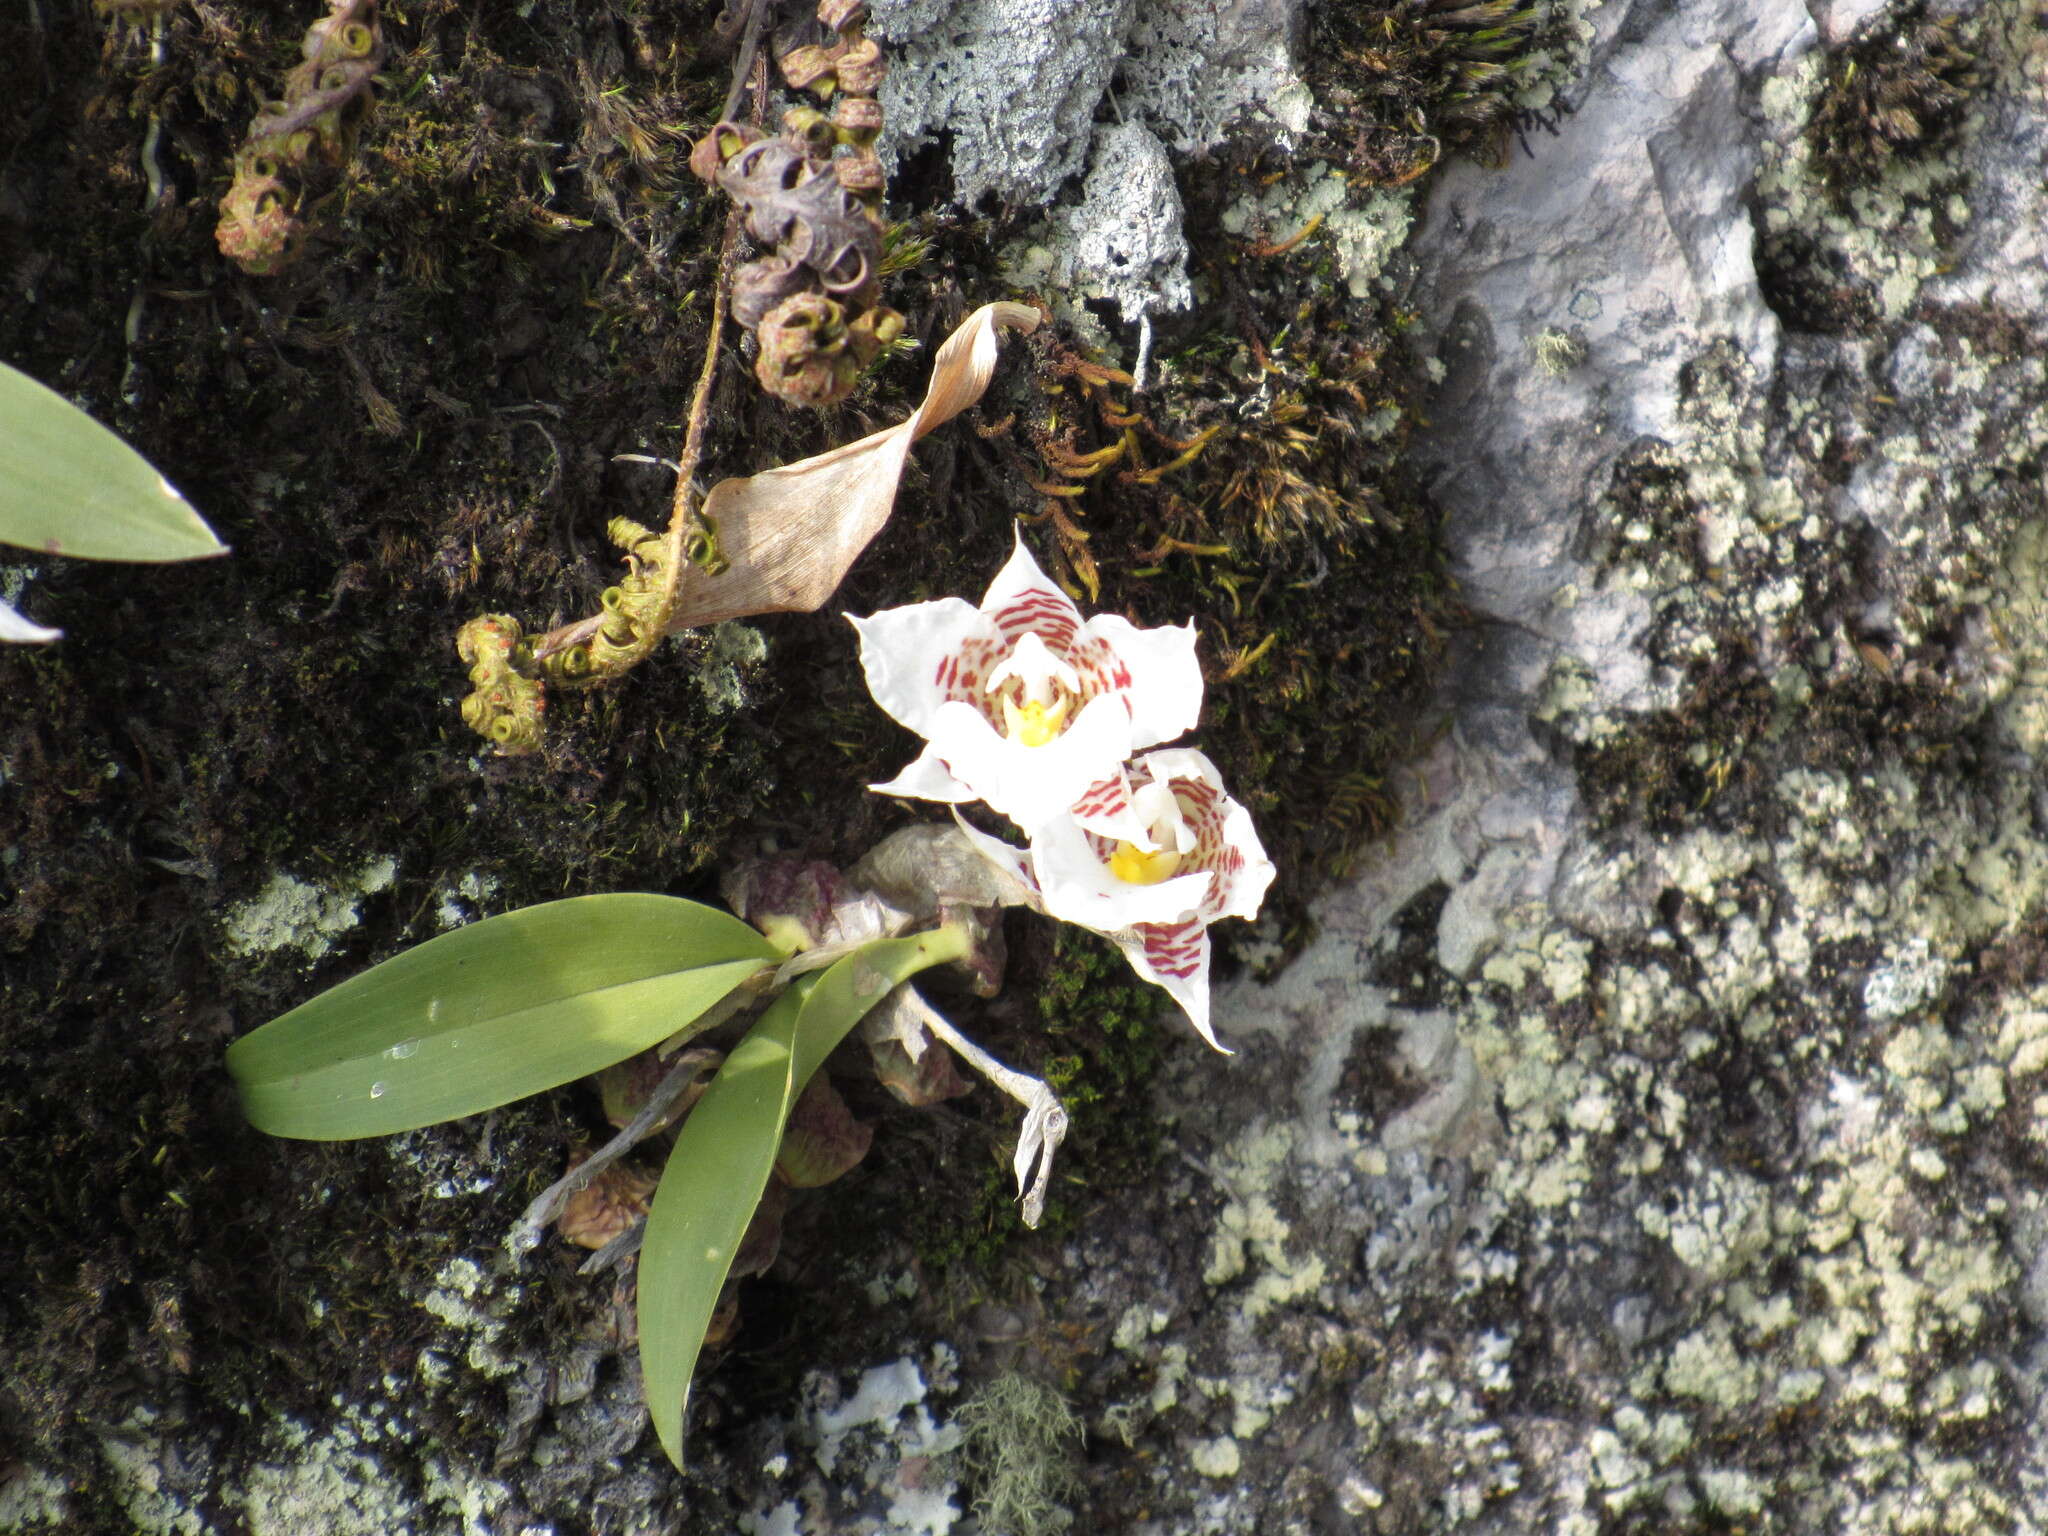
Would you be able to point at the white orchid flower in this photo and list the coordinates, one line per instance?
(1196, 858)
(1023, 702)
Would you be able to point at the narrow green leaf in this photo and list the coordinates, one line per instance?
(68, 486)
(726, 1149)
(715, 1176)
(507, 1007)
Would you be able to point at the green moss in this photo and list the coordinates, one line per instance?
(1097, 1042)
(972, 1236)
(1415, 80)
(1899, 92)
(416, 424)
(1104, 1030)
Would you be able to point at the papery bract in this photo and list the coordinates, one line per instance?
(1024, 703)
(1197, 858)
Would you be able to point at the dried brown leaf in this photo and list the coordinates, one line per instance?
(607, 1206)
(790, 534)
(626, 1086)
(908, 1060)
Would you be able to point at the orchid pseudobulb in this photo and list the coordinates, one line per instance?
(1024, 703)
(1196, 858)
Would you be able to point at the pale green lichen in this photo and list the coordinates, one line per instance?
(474, 1307)
(1825, 936)
(1217, 1458)
(328, 1481)
(1556, 352)
(134, 1454)
(1361, 230)
(1882, 238)
(1854, 1285)
(1138, 1323)
(735, 653)
(1171, 1371)
(32, 1500)
(329, 1477)
(1250, 1237)
(1561, 62)
(1718, 1220)
(463, 902)
(1020, 1442)
(291, 914)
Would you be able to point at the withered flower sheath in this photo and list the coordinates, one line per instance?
(813, 195)
(261, 225)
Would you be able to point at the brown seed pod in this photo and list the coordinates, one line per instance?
(718, 146)
(861, 67)
(858, 119)
(860, 172)
(258, 231)
(812, 129)
(870, 333)
(805, 358)
(808, 67)
(312, 126)
(805, 213)
(812, 194)
(761, 285)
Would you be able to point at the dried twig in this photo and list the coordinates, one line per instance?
(526, 1232)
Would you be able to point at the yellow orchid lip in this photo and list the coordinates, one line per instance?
(1134, 866)
(1032, 724)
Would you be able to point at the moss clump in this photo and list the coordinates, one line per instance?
(289, 709)
(1099, 1016)
(1899, 92)
(1104, 1032)
(1417, 79)
(1021, 1438)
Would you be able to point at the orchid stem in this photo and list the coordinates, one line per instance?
(1045, 1118)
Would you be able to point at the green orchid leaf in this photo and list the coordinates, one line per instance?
(507, 1007)
(68, 486)
(716, 1174)
(725, 1151)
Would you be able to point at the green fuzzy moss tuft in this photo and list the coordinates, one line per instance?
(1413, 81)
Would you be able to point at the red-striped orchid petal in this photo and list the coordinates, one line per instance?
(1026, 704)
(1175, 956)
